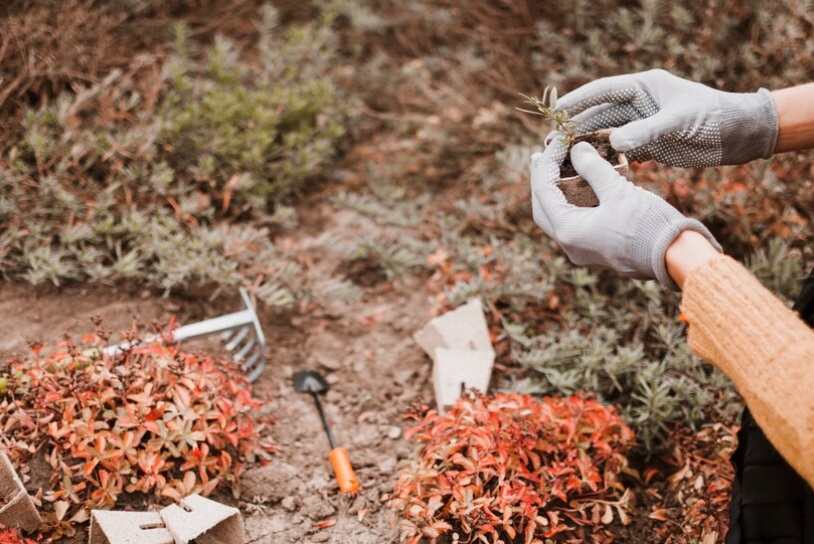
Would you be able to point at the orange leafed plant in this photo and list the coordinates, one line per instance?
(152, 422)
(511, 468)
(13, 536)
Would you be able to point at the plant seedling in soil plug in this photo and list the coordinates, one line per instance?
(577, 191)
(308, 381)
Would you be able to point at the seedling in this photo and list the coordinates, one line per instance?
(576, 190)
(545, 107)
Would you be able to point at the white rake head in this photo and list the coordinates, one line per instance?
(241, 332)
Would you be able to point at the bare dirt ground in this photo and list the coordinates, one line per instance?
(365, 351)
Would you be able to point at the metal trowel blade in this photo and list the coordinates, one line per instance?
(308, 381)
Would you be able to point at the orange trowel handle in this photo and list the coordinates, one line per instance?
(344, 471)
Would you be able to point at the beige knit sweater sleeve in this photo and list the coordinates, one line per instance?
(763, 346)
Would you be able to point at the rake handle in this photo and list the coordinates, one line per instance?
(216, 324)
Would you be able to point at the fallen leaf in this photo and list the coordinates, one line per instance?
(60, 509)
(607, 517)
(710, 538)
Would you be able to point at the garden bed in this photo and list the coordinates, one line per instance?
(368, 357)
(395, 188)
(376, 372)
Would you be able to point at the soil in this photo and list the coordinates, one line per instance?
(600, 142)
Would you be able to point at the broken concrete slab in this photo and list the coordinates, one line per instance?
(462, 328)
(457, 369)
(19, 511)
(110, 527)
(203, 521)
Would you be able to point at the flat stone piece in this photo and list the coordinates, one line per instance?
(462, 328)
(458, 369)
(110, 527)
(203, 521)
(19, 511)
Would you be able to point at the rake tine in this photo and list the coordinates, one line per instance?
(258, 361)
(237, 338)
(244, 350)
(249, 363)
(232, 328)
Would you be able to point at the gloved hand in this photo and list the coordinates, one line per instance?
(675, 121)
(629, 231)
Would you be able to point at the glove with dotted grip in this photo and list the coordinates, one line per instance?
(629, 231)
(674, 121)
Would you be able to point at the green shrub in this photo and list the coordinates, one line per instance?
(273, 129)
(131, 179)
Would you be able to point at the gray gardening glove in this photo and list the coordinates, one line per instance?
(629, 231)
(675, 121)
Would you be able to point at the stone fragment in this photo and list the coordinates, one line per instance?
(316, 508)
(272, 482)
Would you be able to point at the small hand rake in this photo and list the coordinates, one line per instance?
(240, 331)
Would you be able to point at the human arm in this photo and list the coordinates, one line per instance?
(761, 345)
(764, 348)
(656, 115)
(688, 251)
(734, 322)
(795, 114)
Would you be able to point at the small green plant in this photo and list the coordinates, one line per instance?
(136, 178)
(546, 108)
(511, 468)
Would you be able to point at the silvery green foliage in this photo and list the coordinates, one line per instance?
(627, 356)
(107, 184)
(617, 338)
